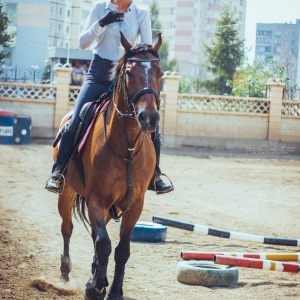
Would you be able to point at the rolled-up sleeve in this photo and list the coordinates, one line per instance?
(145, 27)
(92, 29)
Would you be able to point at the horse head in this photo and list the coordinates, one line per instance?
(140, 74)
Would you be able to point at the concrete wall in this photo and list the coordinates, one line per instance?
(218, 125)
(41, 113)
(190, 120)
(290, 129)
(251, 122)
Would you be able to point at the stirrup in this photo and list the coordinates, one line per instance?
(57, 179)
(157, 178)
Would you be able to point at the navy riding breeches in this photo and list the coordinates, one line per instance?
(95, 84)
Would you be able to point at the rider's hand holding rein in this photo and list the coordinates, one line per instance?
(111, 17)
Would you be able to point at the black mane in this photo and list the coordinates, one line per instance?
(140, 48)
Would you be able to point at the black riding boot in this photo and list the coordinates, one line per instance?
(62, 159)
(156, 183)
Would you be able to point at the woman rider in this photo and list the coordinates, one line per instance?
(102, 28)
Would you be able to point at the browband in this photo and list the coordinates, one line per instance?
(142, 59)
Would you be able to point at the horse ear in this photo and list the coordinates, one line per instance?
(157, 42)
(127, 46)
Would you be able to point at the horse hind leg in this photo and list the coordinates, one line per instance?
(96, 287)
(122, 251)
(65, 206)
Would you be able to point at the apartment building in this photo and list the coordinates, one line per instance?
(30, 19)
(52, 27)
(281, 41)
(67, 18)
(189, 24)
(46, 29)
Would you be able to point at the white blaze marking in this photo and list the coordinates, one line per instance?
(147, 65)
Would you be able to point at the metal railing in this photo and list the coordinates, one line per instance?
(32, 74)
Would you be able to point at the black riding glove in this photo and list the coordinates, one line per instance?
(111, 17)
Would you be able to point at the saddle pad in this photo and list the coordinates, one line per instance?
(85, 137)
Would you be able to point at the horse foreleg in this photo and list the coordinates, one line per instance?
(65, 205)
(96, 287)
(122, 251)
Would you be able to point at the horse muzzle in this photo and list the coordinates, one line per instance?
(148, 120)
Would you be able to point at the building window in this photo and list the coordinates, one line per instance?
(59, 27)
(67, 29)
(264, 32)
(69, 13)
(267, 49)
(60, 11)
(173, 11)
(11, 10)
(277, 33)
(241, 2)
(260, 57)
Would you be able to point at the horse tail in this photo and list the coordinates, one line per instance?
(79, 211)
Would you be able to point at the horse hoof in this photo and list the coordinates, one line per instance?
(114, 296)
(65, 277)
(92, 293)
(65, 267)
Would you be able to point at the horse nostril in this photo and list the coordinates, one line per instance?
(142, 117)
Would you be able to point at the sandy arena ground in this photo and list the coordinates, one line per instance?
(245, 193)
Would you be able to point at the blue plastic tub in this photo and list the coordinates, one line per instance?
(6, 127)
(22, 130)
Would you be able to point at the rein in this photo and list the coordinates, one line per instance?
(131, 101)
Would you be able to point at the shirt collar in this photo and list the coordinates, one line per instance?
(109, 5)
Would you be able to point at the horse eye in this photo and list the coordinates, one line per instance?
(128, 74)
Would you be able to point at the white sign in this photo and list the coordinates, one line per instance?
(6, 130)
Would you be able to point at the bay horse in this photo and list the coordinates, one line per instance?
(119, 161)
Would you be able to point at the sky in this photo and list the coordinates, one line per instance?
(268, 11)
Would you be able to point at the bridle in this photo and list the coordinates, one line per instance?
(131, 101)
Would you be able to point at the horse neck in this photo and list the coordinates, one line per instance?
(115, 129)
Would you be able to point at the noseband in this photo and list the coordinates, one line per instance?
(131, 101)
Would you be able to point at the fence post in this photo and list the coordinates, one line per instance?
(275, 90)
(62, 93)
(171, 85)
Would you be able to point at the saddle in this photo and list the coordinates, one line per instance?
(88, 116)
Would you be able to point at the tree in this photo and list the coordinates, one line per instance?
(154, 15)
(288, 63)
(5, 36)
(226, 53)
(166, 64)
(250, 79)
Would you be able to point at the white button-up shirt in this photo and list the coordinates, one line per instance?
(106, 41)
